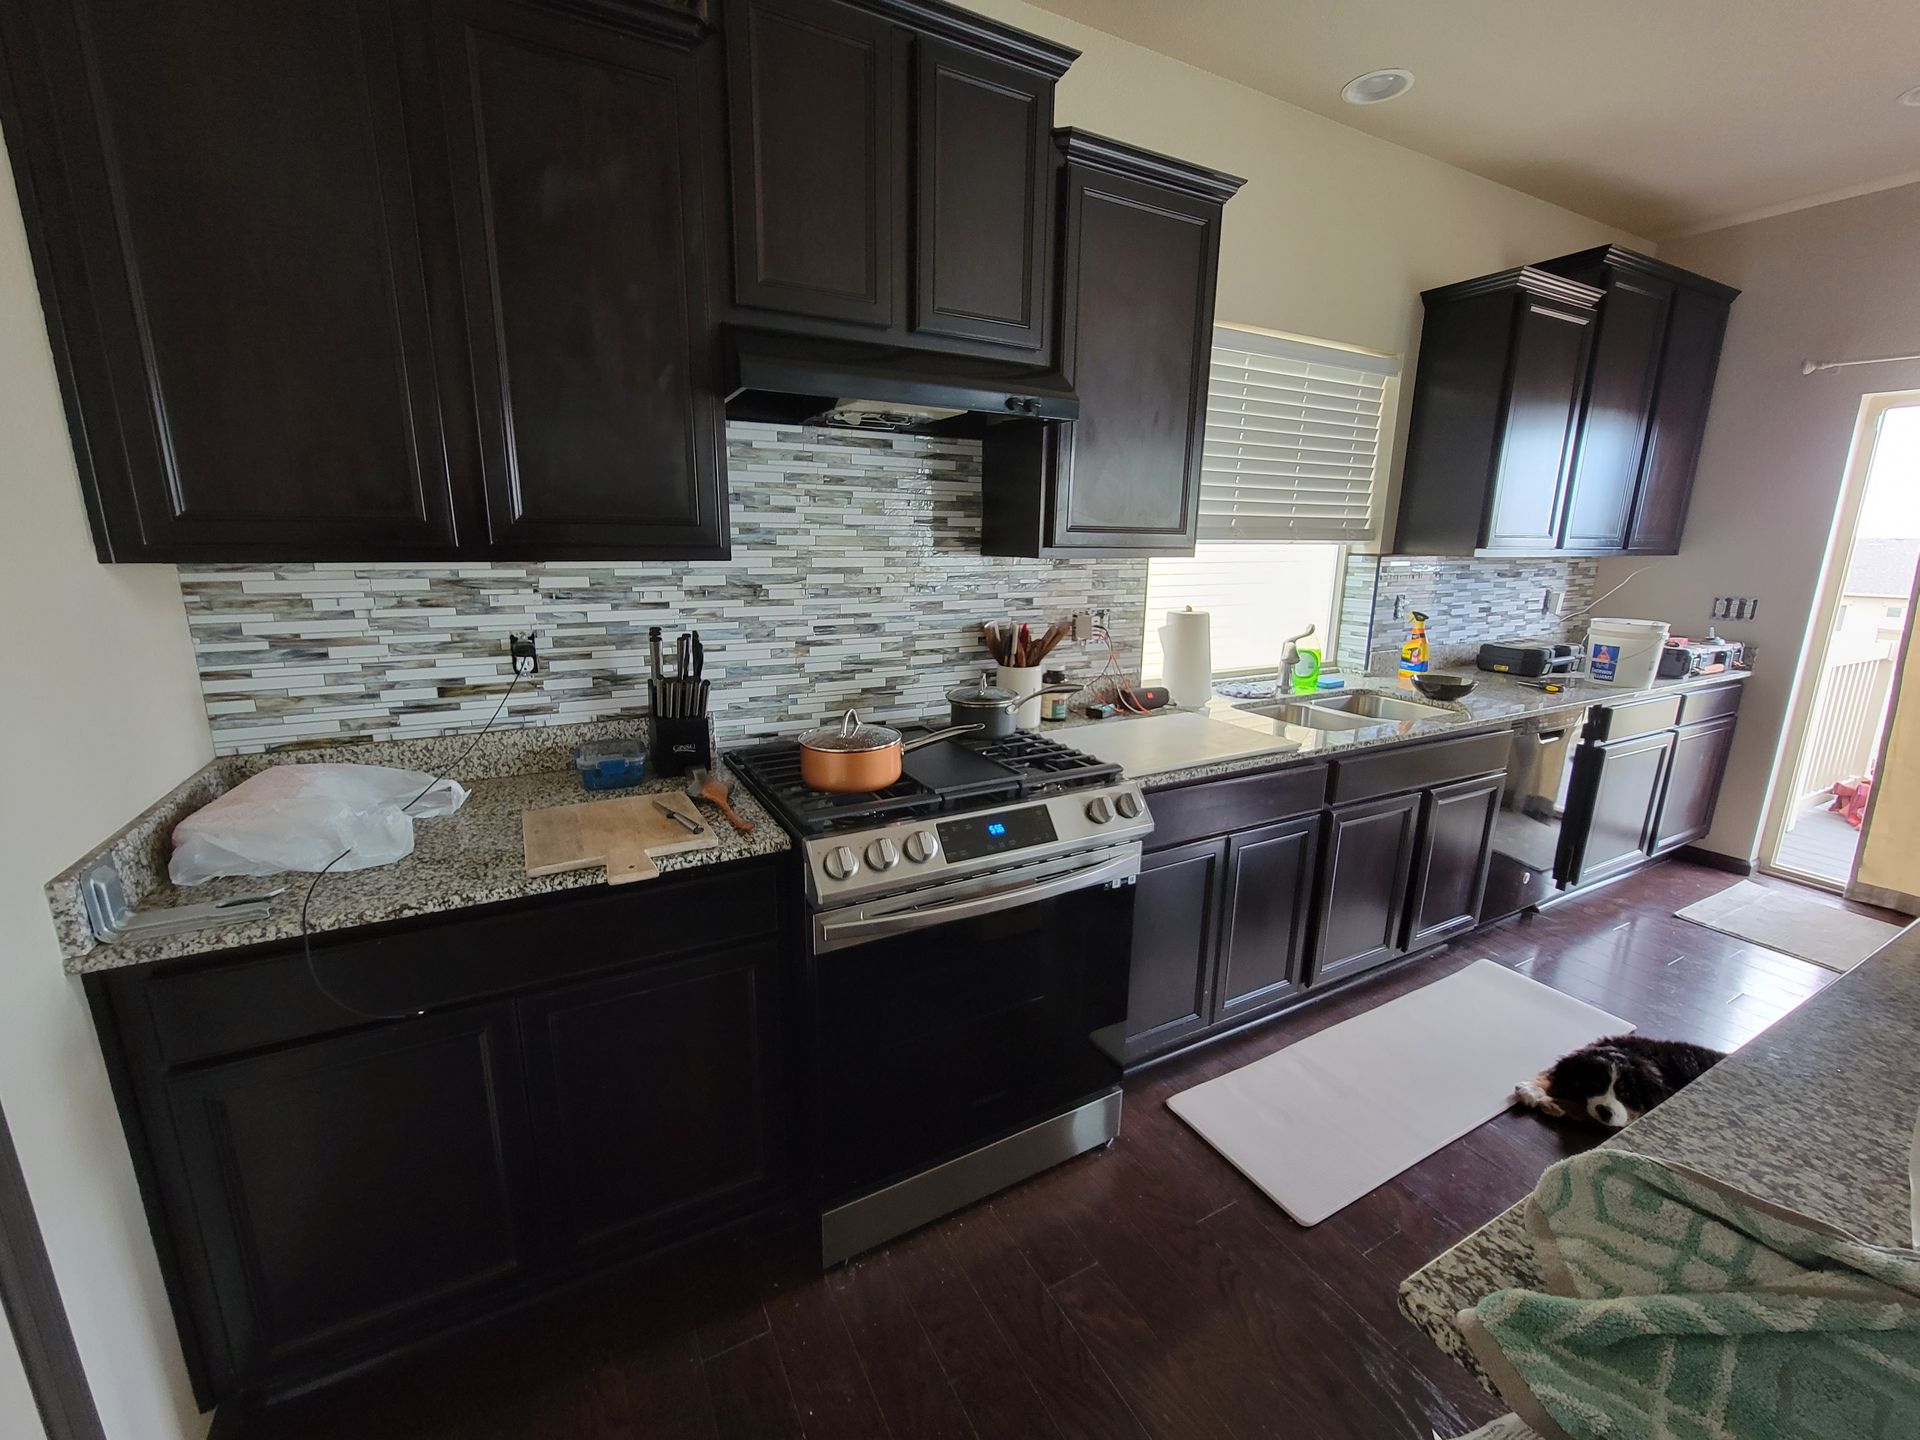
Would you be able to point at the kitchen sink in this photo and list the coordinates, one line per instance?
(1349, 710)
(1380, 707)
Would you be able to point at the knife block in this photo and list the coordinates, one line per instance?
(680, 743)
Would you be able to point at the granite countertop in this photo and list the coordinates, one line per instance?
(1816, 1112)
(472, 857)
(1498, 702)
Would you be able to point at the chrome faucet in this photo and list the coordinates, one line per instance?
(1289, 657)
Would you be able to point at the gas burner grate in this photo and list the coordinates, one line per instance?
(1028, 763)
(773, 773)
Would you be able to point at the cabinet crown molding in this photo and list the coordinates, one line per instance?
(1529, 278)
(1082, 147)
(1592, 265)
(976, 32)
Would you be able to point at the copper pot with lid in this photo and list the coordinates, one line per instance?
(854, 757)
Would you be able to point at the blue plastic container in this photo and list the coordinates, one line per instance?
(611, 764)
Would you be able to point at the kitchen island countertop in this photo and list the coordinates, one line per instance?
(1816, 1113)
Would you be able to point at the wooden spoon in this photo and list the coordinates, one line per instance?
(702, 785)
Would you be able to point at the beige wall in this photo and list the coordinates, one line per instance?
(1335, 233)
(102, 715)
(1834, 282)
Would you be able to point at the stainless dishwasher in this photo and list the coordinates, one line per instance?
(1526, 835)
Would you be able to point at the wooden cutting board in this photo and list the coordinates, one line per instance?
(624, 835)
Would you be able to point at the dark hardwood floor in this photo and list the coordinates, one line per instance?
(1146, 1291)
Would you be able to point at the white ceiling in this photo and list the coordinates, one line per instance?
(1659, 116)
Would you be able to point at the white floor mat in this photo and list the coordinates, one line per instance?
(1320, 1123)
(1780, 918)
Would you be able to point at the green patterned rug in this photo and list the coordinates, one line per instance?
(1683, 1309)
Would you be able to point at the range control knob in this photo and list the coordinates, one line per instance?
(922, 846)
(1098, 810)
(883, 854)
(1128, 804)
(841, 863)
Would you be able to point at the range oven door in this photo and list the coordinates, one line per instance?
(951, 1019)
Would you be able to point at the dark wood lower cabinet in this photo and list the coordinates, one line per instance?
(1175, 937)
(1363, 886)
(1694, 773)
(326, 1186)
(355, 1185)
(1263, 944)
(1450, 873)
(648, 1093)
(1614, 793)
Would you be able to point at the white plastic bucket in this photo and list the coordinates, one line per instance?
(1625, 652)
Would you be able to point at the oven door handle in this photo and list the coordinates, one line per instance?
(839, 934)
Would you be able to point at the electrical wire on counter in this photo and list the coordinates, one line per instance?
(306, 938)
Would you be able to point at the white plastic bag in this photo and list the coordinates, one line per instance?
(299, 817)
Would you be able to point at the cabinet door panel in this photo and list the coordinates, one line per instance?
(1139, 308)
(1363, 886)
(1613, 424)
(1613, 795)
(1269, 907)
(578, 165)
(1549, 367)
(234, 270)
(652, 1095)
(985, 186)
(1694, 331)
(1175, 935)
(1455, 848)
(816, 206)
(1693, 784)
(358, 1183)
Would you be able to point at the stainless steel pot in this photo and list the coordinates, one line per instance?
(852, 757)
(985, 704)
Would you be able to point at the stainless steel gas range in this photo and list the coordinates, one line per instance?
(968, 941)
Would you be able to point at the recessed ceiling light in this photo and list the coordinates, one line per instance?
(1377, 85)
(1911, 97)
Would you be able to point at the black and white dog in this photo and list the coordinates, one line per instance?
(1617, 1079)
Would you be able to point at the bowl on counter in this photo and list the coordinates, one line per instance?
(1444, 687)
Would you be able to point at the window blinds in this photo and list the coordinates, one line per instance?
(1292, 439)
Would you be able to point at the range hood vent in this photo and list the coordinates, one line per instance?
(795, 379)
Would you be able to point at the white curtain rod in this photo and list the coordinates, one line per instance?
(1807, 367)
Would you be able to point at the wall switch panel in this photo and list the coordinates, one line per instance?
(1735, 607)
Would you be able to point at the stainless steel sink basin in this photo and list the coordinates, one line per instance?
(1380, 707)
(1348, 710)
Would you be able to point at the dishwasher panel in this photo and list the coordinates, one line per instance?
(1526, 835)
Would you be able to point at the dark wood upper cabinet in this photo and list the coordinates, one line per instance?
(1695, 328)
(582, 166)
(221, 207)
(818, 125)
(1527, 438)
(1503, 362)
(1140, 250)
(1614, 417)
(892, 177)
(983, 227)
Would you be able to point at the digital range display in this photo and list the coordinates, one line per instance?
(977, 835)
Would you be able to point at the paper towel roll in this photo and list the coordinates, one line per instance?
(1186, 657)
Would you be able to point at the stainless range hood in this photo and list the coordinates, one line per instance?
(795, 379)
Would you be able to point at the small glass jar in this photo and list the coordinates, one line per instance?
(1054, 706)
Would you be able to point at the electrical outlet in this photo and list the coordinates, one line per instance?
(520, 649)
(1083, 624)
(1553, 602)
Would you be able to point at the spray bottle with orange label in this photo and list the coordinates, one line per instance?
(1413, 654)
